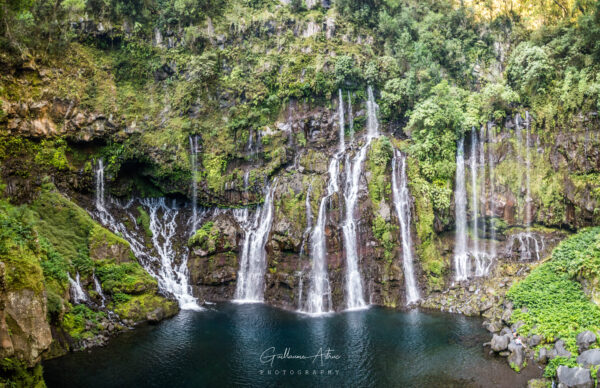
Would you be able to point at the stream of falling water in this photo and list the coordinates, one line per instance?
(193, 184)
(253, 257)
(77, 293)
(492, 202)
(474, 193)
(461, 258)
(401, 198)
(354, 167)
(172, 278)
(319, 296)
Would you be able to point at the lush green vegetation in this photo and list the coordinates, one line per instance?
(556, 304)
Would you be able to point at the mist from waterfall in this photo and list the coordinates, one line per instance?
(253, 258)
(401, 198)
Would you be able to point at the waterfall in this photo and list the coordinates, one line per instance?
(100, 184)
(401, 199)
(171, 277)
(350, 117)
(305, 237)
(528, 198)
(77, 293)
(474, 196)
(354, 286)
(253, 259)
(98, 289)
(529, 245)
(482, 196)
(372, 111)
(491, 165)
(341, 121)
(309, 220)
(319, 295)
(194, 169)
(246, 180)
(461, 258)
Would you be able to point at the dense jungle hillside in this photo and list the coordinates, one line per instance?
(314, 155)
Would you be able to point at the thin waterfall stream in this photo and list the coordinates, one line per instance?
(401, 198)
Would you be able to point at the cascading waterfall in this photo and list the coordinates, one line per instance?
(194, 168)
(319, 296)
(527, 172)
(253, 259)
(354, 287)
(77, 293)
(350, 117)
(483, 196)
(98, 289)
(477, 164)
(461, 258)
(305, 237)
(491, 166)
(341, 121)
(529, 245)
(401, 199)
(474, 194)
(171, 278)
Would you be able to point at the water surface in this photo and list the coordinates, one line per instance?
(376, 347)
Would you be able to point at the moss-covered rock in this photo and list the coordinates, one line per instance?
(145, 307)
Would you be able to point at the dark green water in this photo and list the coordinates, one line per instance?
(222, 347)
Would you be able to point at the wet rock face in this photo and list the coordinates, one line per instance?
(529, 245)
(213, 261)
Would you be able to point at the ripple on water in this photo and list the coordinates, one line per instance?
(222, 345)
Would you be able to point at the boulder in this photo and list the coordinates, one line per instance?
(534, 340)
(516, 358)
(589, 358)
(506, 316)
(499, 342)
(559, 347)
(585, 339)
(542, 357)
(517, 325)
(574, 377)
(156, 315)
(493, 327)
